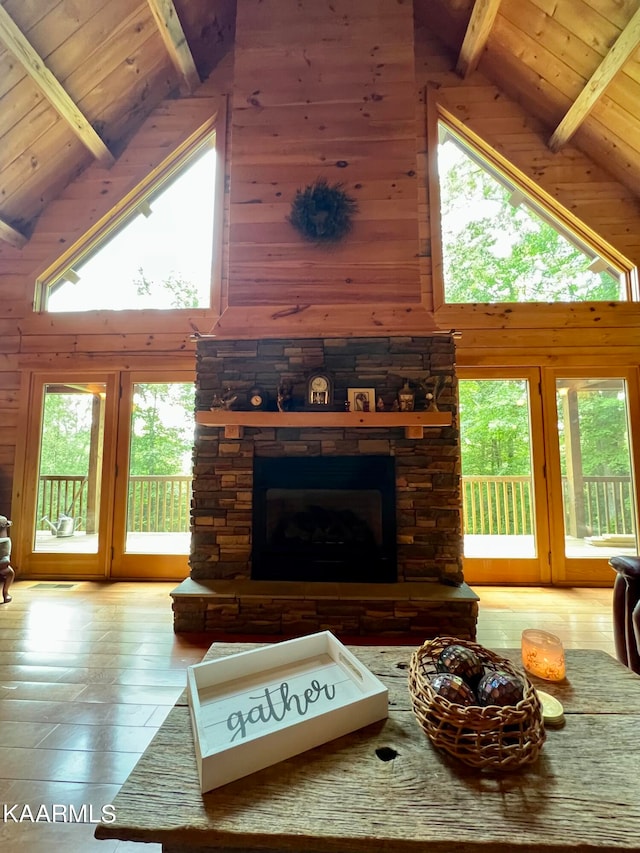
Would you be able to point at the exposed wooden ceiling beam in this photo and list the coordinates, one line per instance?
(176, 43)
(8, 234)
(483, 15)
(13, 39)
(626, 44)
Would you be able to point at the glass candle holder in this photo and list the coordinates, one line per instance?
(543, 654)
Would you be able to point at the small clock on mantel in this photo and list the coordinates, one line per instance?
(319, 390)
(257, 398)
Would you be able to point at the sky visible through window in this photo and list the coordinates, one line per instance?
(175, 243)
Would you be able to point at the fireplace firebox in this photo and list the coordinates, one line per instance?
(324, 519)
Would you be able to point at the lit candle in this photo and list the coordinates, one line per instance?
(543, 654)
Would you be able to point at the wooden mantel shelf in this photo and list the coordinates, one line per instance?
(413, 422)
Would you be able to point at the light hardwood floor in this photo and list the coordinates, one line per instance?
(88, 672)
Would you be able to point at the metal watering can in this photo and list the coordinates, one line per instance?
(65, 526)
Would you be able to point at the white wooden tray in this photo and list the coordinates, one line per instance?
(255, 708)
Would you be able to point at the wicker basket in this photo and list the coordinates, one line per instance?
(493, 737)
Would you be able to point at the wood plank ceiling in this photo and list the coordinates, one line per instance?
(78, 77)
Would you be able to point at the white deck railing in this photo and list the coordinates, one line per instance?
(504, 505)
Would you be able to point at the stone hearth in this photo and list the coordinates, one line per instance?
(426, 595)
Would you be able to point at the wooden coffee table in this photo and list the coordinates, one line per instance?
(581, 796)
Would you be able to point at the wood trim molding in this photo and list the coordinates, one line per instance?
(626, 44)
(13, 39)
(433, 190)
(303, 321)
(219, 209)
(483, 15)
(166, 17)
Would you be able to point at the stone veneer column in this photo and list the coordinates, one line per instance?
(427, 469)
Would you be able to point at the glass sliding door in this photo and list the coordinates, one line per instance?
(592, 467)
(106, 467)
(152, 518)
(70, 474)
(66, 510)
(505, 534)
(548, 461)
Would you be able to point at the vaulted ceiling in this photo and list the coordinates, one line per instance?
(78, 77)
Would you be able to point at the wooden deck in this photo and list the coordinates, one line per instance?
(137, 543)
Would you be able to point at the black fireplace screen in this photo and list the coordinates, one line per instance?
(324, 519)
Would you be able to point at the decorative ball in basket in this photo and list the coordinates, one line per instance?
(501, 731)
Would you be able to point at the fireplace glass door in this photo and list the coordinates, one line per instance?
(324, 519)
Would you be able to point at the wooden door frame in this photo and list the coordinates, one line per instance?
(587, 571)
(38, 564)
(130, 566)
(518, 570)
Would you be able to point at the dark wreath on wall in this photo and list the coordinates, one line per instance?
(323, 213)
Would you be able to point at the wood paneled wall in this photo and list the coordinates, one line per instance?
(323, 90)
(314, 80)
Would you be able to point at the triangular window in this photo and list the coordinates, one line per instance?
(500, 244)
(157, 253)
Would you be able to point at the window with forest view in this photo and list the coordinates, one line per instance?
(595, 458)
(499, 245)
(497, 471)
(160, 459)
(71, 463)
(70, 477)
(158, 255)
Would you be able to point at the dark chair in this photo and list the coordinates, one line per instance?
(626, 610)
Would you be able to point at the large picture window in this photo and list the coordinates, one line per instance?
(501, 245)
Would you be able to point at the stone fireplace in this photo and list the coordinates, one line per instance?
(330, 520)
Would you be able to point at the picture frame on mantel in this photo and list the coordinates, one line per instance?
(361, 399)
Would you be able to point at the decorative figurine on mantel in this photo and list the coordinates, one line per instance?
(432, 388)
(229, 398)
(406, 397)
(224, 401)
(284, 397)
